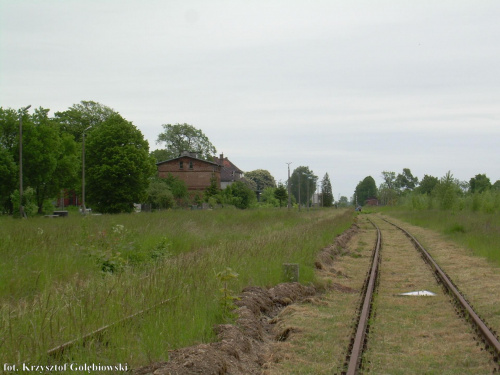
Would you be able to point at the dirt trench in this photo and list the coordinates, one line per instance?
(244, 347)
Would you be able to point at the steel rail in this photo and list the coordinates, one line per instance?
(58, 350)
(359, 340)
(487, 334)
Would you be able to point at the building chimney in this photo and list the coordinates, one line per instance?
(222, 159)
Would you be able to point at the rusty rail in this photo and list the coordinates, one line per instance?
(59, 350)
(356, 349)
(490, 339)
(359, 339)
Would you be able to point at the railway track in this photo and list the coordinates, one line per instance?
(367, 312)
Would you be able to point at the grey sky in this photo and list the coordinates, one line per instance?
(351, 88)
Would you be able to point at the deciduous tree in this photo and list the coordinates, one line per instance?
(479, 183)
(427, 184)
(406, 181)
(365, 189)
(281, 194)
(239, 195)
(303, 180)
(262, 178)
(185, 137)
(118, 165)
(80, 116)
(50, 161)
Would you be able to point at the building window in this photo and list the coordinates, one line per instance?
(181, 164)
(190, 165)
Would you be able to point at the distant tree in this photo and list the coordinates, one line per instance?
(447, 191)
(159, 195)
(427, 184)
(161, 155)
(365, 189)
(387, 197)
(479, 183)
(250, 183)
(389, 179)
(303, 180)
(281, 194)
(262, 178)
(9, 173)
(9, 129)
(496, 185)
(212, 190)
(388, 190)
(118, 166)
(239, 195)
(80, 116)
(405, 181)
(50, 159)
(177, 186)
(326, 191)
(343, 201)
(9, 170)
(185, 137)
(268, 197)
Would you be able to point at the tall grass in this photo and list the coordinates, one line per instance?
(61, 279)
(478, 231)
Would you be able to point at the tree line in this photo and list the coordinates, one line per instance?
(119, 167)
(446, 193)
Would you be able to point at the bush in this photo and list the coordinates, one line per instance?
(239, 195)
(159, 195)
(29, 200)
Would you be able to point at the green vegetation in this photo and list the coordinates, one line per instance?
(364, 190)
(183, 137)
(466, 212)
(262, 179)
(326, 192)
(64, 278)
(303, 184)
(478, 231)
(118, 165)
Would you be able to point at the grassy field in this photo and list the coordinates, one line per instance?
(61, 279)
(477, 231)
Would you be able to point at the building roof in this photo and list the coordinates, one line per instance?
(229, 171)
(191, 155)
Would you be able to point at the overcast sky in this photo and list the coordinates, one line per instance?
(349, 88)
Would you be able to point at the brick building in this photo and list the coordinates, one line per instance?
(229, 172)
(195, 172)
(371, 201)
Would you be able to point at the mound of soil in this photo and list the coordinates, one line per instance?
(243, 348)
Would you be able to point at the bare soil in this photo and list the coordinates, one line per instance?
(245, 347)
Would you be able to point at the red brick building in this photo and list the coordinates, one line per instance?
(371, 201)
(196, 173)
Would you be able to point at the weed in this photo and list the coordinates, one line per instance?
(61, 279)
(456, 228)
(226, 298)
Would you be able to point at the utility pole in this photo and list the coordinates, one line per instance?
(307, 193)
(289, 197)
(21, 207)
(298, 174)
(84, 209)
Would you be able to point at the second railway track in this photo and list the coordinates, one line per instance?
(396, 334)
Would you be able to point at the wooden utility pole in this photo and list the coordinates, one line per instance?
(289, 196)
(21, 206)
